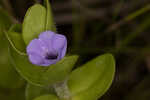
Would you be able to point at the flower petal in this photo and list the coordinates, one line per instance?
(58, 42)
(36, 59)
(34, 46)
(47, 37)
(63, 52)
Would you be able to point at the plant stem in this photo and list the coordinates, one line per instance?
(62, 90)
(129, 18)
(143, 26)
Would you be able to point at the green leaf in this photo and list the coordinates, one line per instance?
(20, 60)
(50, 25)
(30, 72)
(91, 81)
(9, 78)
(33, 91)
(38, 19)
(59, 71)
(47, 97)
(16, 41)
(16, 28)
(34, 22)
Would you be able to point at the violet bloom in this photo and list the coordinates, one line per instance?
(48, 49)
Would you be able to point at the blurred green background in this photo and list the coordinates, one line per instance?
(92, 27)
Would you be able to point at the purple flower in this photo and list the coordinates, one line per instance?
(48, 49)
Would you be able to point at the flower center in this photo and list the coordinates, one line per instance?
(50, 56)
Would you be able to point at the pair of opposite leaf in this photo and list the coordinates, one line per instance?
(46, 48)
(88, 82)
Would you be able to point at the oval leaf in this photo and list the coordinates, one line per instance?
(9, 78)
(92, 80)
(34, 22)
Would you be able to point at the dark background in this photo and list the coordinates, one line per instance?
(94, 27)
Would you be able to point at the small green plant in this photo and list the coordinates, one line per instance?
(50, 75)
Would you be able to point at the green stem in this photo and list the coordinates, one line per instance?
(143, 26)
(137, 13)
(62, 90)
(129, 18)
